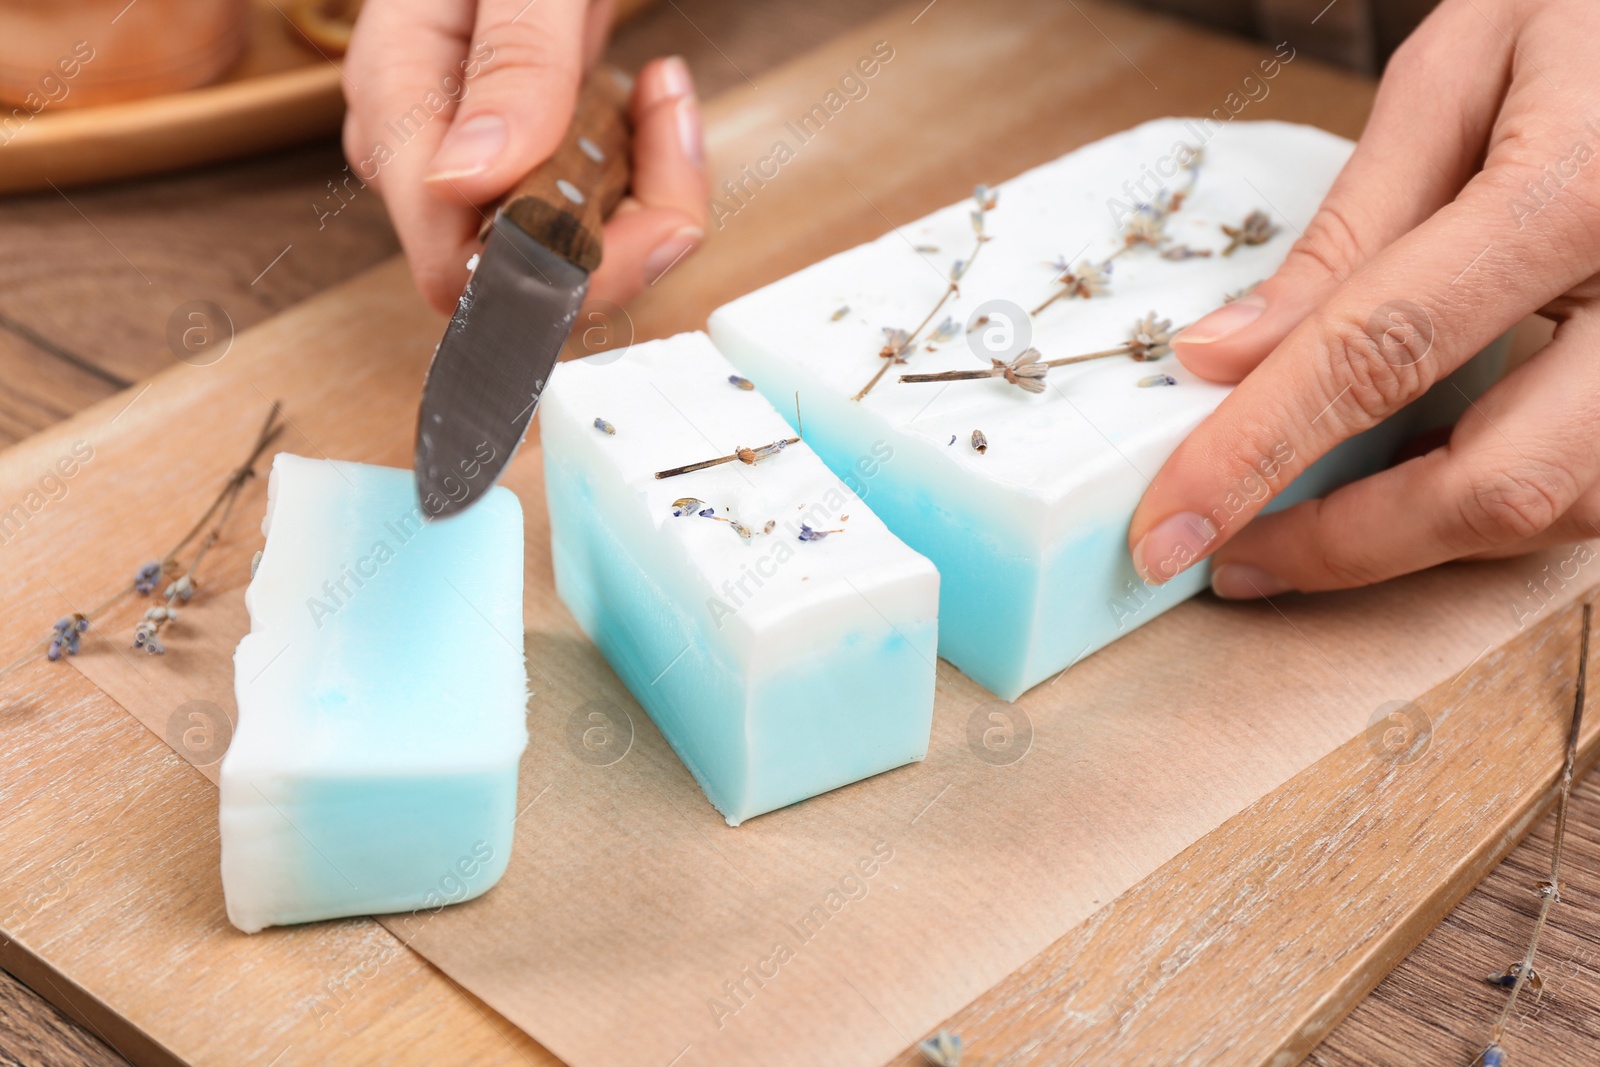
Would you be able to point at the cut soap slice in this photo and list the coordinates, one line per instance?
(382, 695)
(1030, 535)
(777, 667)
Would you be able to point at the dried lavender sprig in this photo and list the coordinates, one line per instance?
(1551, 890)
(269, 432)
(1151, 340)
(899, 341)
(750, 456)
(1146, 226)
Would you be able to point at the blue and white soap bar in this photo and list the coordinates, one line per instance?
(1029, 531)
(781, 638)
(382, 698)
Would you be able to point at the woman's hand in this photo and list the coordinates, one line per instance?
(451, 102)
(1472, 201)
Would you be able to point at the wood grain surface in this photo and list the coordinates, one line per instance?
(1426, 1012)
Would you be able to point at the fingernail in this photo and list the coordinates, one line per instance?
(1223, 322)
(675, 79)
(689, 134)
(1172, 546)
(670, 251)
(470, 148)
(1243, 581)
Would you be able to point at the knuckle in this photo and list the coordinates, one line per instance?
(1346, 570)
(1376, 379)
(1330, 243)
(1343, 560)
(516, 57)
(1511, 505)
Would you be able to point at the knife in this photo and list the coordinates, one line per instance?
(514, 316)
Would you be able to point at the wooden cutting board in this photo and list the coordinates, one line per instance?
(112, 905)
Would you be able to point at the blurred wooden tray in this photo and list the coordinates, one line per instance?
(280, 92)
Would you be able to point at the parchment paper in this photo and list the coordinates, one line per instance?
(634, 927)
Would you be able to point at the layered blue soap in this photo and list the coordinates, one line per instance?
(382, 696)
(779, 665)
(1030, 535)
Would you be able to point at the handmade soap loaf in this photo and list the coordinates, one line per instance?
(1020, 487)
(381, 694)
(779, 635)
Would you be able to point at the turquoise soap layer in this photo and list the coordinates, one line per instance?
(779, 635)
(382, 695)
(1013, 614)
(754, 740)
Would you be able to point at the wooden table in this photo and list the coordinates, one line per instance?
(86, 287)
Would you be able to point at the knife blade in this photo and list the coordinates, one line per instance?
(508, 329)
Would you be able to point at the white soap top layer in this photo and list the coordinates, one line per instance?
(671, 403)
(1093, 417)
(380, 644)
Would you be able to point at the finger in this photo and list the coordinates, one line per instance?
(1429, 125)
(1363, 354)
(1519, 464)
(1580, 523)
(596, 30)
(519, 100)
(409, 62)
(664, 218)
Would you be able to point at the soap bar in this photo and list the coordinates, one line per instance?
(382, 695)
(1029, 530)
(781, 638)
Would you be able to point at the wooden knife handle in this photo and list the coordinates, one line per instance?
(563, 202)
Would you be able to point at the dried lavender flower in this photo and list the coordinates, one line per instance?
(1509, 976)
(980, 443)
(927, 250)
(895, 341)
(1157, 379)
(841, 313)
(741, 383)
(943, 1049)
(1026, 372)
(64, 636)
(1256, 229)
(1151, 339)
(809, 534)
(1146, 226)
(946, 331)
(182, 589)
(756, 455)
(144, 582)
(687, 505)
(605, 427)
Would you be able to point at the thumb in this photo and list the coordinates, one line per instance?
(523, 67)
